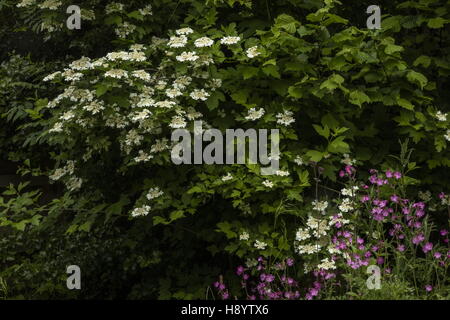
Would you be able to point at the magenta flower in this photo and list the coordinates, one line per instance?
(427, 247)
(401, 247)
(441, 195)
(290, 262)
(380, 260)
(437, 255)
(395, 198)
(443, 232)
(428, 288)
(389, 174)
(240, 270)
(397, 175)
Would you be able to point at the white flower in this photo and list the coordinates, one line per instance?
(299, 160)
(26, 3)
(165, 104)
(137, 56)
(177, 122)
(67, 115)
(140, 115)
(141, 74)
(230, 40)
(123, 30)
(308, 249)
(57, 127)
(252, 52)
(74, 183)
(227, 177)
(81, 64)
(146, 102)
(113, 7)
(182, 82)
(59, 172)
(347, 160)
(177, 42)
(159, 145)
(203, 42)
(349, 192)
(319, 205)
(50, 4)
(302, 234)
(285, 118)
(318, 227)
(94, 107)
(116, 73)
(173, 92)
(254, 114)
(447, 135)
(184, 31)
(199, 95)
(52, 76)
(147, 11)
(154, 193)
(327, 264)
(268, 183)
(187, 56)
(282, 173)
(142, 211)
(260, 245)
(137, 47)
(441, 116)
(244, 236)
(346, 205)
(143, 157)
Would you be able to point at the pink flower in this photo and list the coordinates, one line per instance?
(388, 174)
(427, 247)
(428, 288)
(397, 175)
(443, 232)
(401, 247)
(437, 255)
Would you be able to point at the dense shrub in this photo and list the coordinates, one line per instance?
(341, 95)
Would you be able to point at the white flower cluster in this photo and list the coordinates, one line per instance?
(254, 114)
(141, 211)
(320, 205)
(50, 4)
(268, 183)
(347, 160)
(346, 205)
(285, 118)
(252, 52)
(244, 236)
(26, 3)
(227, 177)
(351, 192)
(260, 245)
(327, 264)
(154, 193)
(441, 116)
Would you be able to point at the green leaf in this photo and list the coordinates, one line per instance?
(324, 132)
(425, 61)
(358, 98)
(314, 155)
(405, 104)
(392, 48)
(436, 23)
(213, 100)
(295, 92)
(417, 78)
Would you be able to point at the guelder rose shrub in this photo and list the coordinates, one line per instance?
(338, 93)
